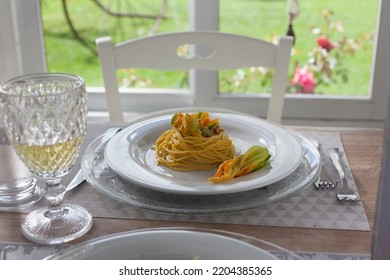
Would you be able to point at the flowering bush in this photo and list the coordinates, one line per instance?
(324, 64)
(131, 78)
(324, 43)
(304, 80)
(325, 61)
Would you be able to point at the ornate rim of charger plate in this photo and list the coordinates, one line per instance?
(100, 175)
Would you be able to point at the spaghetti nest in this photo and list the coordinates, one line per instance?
(193, 143)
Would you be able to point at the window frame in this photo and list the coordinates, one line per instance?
(21, 39)
(23, 52)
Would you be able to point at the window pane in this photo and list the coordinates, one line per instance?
(147, 78)
(333, 48)
(71, 27)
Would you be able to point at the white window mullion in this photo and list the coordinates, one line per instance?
(9, 67)
(203, 15)
(21, 37)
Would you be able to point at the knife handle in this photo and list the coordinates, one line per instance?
(334, 154)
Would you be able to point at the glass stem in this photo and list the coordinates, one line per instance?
(54, 194)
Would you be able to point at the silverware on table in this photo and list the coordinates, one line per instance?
(80, 177)
(344, 193)
(77, 180)
(325, 181)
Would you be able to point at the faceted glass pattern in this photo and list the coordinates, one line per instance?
(45, 119)
(46, 112)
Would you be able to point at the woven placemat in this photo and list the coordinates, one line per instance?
(311, 208)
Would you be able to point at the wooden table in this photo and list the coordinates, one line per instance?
(364, 151)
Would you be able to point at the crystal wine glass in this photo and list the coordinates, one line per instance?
(45, 120)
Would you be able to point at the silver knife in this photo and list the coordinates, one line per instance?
(77, 180)
(80, 177)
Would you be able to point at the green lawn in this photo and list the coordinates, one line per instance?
(258, 18)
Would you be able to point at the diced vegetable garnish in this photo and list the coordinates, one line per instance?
(196, 124)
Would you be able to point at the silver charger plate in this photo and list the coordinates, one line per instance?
(99, 174)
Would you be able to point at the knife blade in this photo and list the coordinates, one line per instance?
(80, 177)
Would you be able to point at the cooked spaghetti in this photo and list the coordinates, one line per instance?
(193, 143)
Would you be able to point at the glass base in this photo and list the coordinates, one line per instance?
(55, 227)
(19, 194)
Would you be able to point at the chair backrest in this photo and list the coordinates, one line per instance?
(227, 51)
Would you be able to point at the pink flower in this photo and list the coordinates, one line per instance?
(304, 79)
(324, 43)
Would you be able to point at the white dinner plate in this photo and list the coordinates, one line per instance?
(129, 153)
(174, 244)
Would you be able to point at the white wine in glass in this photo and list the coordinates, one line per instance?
(45, 119)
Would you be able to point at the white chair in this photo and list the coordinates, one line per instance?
(229, 51)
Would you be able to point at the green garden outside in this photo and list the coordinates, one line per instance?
(332, 54)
